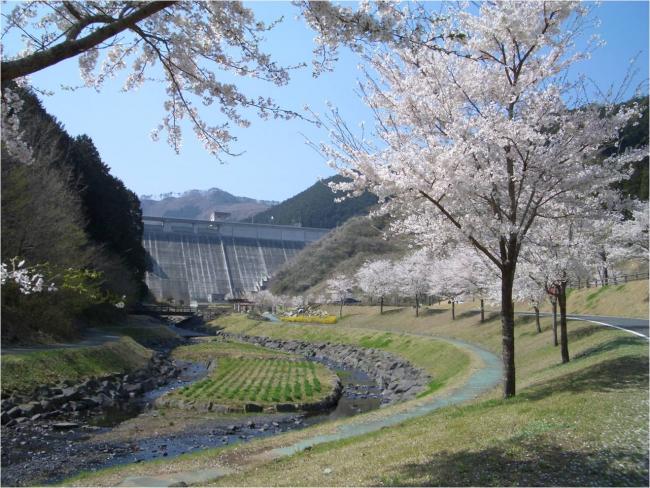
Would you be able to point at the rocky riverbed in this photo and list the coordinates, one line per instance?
(58, 431)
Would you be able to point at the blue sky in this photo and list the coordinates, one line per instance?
(277, 163)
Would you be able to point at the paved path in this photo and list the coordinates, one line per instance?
(480, 380)
(91, 337)
(638, 327)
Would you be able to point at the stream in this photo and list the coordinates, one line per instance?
(39, 453)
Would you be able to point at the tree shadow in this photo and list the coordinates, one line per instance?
(577, 334)
(393, 311)
(468, 313)
(611, 375)
(610, 346)
(526, 460)
(435, 311)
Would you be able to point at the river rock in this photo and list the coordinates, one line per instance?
(65, 425)
(14, 412)
(31, 408)
(71, 393)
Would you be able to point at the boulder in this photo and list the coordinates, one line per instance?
(71, 393)
(14, 412)
(31, 408)
(65, 425)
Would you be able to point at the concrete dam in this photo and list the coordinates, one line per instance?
(210, 261)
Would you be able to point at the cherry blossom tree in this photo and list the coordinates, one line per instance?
(560, 252)
(533, 291)
(26, 280)
(376, 279)
(339, 288)
(448, 282)
(185, 44)
(465, 273)
(630, 236)
(413, 274)
(478, 145)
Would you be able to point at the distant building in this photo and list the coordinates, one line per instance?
(219, 216)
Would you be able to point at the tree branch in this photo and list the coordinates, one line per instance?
(37, 61)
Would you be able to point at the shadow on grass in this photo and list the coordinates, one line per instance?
(393, 311)
(610, 346)
(531, 462)
(614, 374)
(576, 334)
(468, 313)
(435, 311)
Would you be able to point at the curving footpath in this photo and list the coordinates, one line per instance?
(481, 380)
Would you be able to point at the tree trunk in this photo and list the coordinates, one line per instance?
(539, 328)
(381, 306)
(564, 340)
(482, 310)
(508, 331)
(554, 303)
(341, 310)
(453, 310)
(417, 306)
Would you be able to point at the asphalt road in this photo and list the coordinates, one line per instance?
(638, 327)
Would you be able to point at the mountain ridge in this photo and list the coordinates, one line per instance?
(199, 204)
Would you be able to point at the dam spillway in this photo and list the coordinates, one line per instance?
(206, 261)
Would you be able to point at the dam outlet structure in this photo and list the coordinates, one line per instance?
(212, 261)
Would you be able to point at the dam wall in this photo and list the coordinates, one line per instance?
(205, 261)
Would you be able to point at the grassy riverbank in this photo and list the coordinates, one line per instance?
(23, 372)
(581, 423)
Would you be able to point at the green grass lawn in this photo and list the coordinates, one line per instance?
(209, 349)
(440, 359)
(584, 423)
(261, 381)
(23, 372)
(247, 373)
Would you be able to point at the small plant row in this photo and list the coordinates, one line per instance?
(328, 319)
(259, 380)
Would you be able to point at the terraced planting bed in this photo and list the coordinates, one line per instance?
(253, 378)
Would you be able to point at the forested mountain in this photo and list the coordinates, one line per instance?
(635, 135)
(199, 204)
(65, 213)
(315, 207)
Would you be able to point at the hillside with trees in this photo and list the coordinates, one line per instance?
(316, 207)
(68, 223)
(342, 250)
